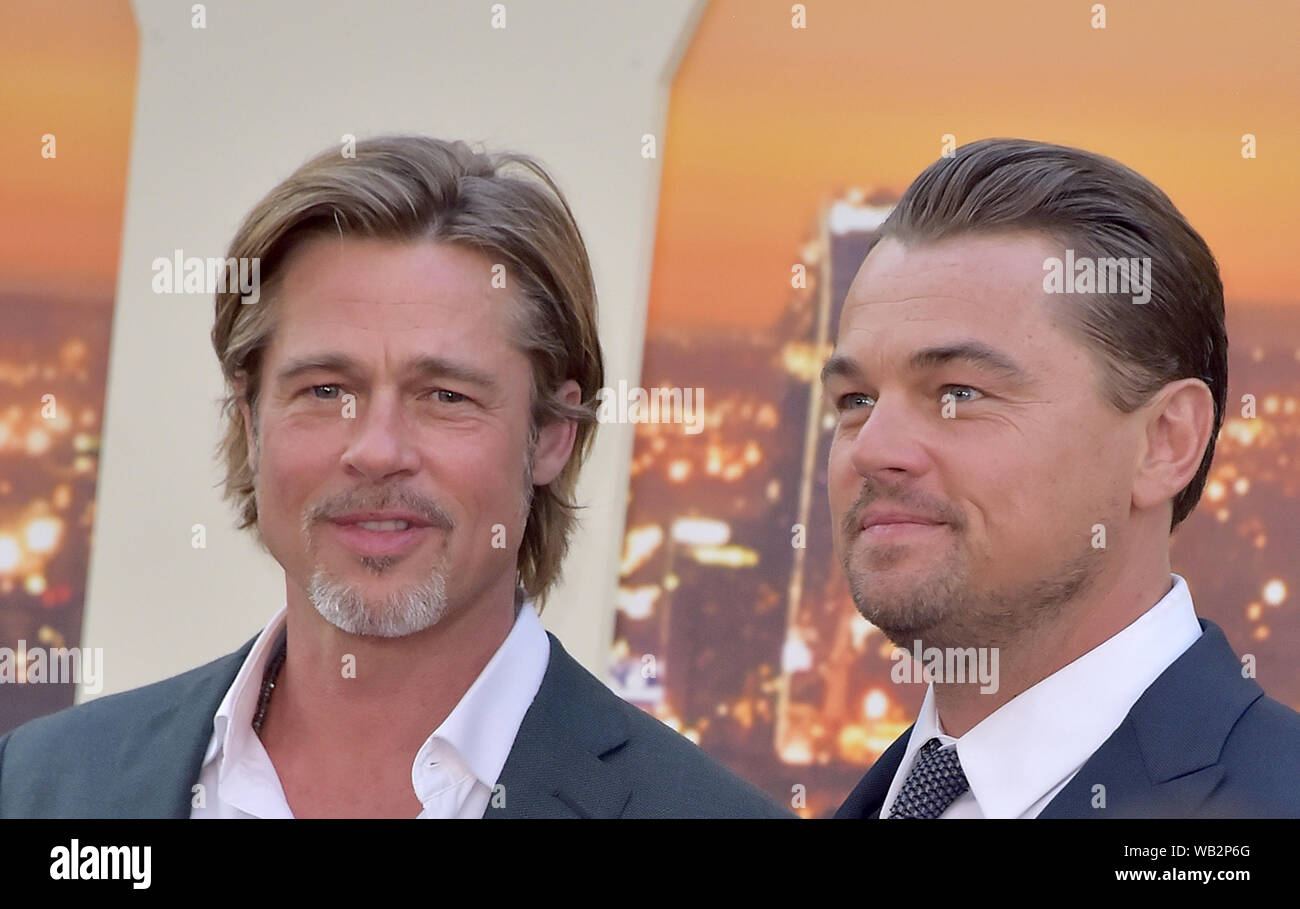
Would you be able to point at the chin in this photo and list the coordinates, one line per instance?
(907, 601)
(407, 609)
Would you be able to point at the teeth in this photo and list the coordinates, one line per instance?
(383, 525)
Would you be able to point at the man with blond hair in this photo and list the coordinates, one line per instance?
(410, 399)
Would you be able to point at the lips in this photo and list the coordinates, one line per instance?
(409, 519)
(889, 518)
(381, 533)
(363, 540)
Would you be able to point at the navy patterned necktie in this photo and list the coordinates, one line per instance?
(935, 781)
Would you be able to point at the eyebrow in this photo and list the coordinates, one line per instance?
(428, 366)
(975, 352)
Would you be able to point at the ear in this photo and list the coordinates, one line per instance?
(1180, 419)
(555, 440)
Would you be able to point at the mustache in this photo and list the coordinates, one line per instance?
(394, 499)
(874, 491)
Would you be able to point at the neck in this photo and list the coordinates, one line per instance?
(1110, 604)
(341, 693)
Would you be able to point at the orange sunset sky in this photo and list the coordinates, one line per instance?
(67, 69)
(767, 121)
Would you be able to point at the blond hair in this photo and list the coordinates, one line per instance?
(405, 188)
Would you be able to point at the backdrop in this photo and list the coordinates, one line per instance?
(728, 163)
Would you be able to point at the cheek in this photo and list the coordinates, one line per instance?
(291, 466)
(1044, 493)
(482, 484)
(843, 484)
(1086, 467)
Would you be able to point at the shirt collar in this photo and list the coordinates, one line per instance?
(244, 769)
(481, 728)
(483, 724)
(1020, 752)
(241, 698)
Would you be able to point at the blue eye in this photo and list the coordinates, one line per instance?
(853, 401)
(977, 394)
(316, 388)
(450, 397)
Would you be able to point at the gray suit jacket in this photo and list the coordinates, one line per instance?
(581, 751)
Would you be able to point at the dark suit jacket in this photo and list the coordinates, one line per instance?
(581, 751)
(1201, 741)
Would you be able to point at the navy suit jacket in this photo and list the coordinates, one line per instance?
(581, 751)
(1201, 741)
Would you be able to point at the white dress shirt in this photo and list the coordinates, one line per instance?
(453, 772)
(1020, 756)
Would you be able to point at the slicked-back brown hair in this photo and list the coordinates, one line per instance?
(504, 206)
(1099, 208)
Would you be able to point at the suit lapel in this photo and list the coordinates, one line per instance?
(555, 768)
(1117, 782)
(158, 764)
(868, 796)
(1162, 761)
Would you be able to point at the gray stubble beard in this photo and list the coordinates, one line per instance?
(404, 612)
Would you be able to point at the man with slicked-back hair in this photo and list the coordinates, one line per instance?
(1030, 372)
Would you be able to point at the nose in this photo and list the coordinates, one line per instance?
(890, 442)
(381, 445)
